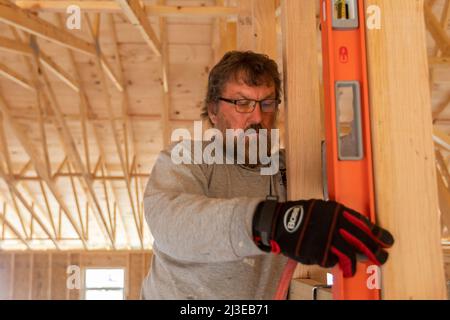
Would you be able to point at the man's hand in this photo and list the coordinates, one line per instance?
(319, 232)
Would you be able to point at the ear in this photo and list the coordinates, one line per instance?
(212, 113)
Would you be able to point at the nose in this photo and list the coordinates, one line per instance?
(256, 115)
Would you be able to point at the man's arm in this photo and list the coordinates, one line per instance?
(188, 225)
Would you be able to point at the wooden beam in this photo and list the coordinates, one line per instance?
(128, 133)
(256, 27)
(4, 154)
(224, 36)
(440, 162)
(34, 70)
(58, 71)
(444, 200)
(27, 21)
(47, 205)
(14, 230)
(75, 196)
(441, 138)
(106, 195)
(438, 33)
(85, 120)
(17, 47)
(15, 77)
(16, 208)
(445, 17)
(165, 116)
(301, 81)
(404, 167)
(38, 164)
(114, 7)
(113, 127)
(13, 46)
(190, 11)
(135, 13)
(9, 181)
(73, 154)
(441, 108)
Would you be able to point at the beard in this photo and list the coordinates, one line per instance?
(246, 146)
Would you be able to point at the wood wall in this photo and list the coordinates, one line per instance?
(43, 275)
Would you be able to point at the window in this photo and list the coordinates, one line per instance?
(104, 284)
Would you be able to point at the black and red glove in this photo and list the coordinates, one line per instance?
(319, 232)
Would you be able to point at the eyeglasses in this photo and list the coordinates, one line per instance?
(248, 105)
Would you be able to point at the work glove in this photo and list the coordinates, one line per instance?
(319, 232)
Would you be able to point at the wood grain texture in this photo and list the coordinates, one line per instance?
(302, 102)
(405, 177)
(256, 27)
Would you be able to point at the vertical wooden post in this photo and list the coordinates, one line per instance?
(302, 101)
(404, 167)
(256, 27)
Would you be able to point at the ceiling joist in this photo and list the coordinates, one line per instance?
(135, 13)
(114, 7)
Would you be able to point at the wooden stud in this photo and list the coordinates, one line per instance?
(404, 167)
(40, 100)
(106, 194)
(16, 208)
(165, 124)
(256, 27)
(47, 204)
(128, 134)
(302, 101)
(75, 196)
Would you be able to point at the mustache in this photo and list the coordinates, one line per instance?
(255, 127)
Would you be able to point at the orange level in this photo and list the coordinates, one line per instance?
(347, 122)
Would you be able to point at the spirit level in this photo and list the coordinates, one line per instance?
(347, 123)
(348, 135)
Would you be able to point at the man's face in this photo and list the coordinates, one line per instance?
(228, 118)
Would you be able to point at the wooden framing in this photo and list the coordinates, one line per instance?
(26, 21)
(39, 166)
(29, 207)
(14, 230)
(405, 184)
(437, 31)
(112, 125)
(135, 13)
(256, 27)
(15, 77)
(74, 156)
(114, 7)
(302, 101)
(17, 47)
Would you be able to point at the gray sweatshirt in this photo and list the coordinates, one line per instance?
(200, 217)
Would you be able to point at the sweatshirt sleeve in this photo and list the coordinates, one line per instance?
(188, 225)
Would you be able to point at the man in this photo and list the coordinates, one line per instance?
(216, 234)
